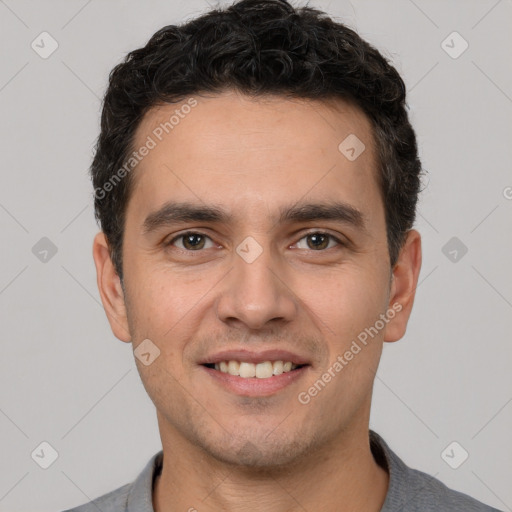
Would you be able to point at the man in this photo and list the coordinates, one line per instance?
(256, 179)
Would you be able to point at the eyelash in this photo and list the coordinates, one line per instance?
(182, 235)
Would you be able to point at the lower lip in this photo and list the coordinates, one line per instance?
(254, 386)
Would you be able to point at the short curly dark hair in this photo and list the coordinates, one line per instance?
(257, 47)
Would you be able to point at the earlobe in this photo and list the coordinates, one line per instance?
(111, 291)
(403, 286)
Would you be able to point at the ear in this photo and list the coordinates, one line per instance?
(404, 281)
(111, 291)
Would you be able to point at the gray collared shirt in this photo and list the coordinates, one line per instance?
(409, 490)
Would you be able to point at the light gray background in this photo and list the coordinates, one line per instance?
(66, 380)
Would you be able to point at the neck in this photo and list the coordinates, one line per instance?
(342, 476)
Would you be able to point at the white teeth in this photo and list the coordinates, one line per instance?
(249, 370)
(278, 367)
(264, 370)
(233, 368)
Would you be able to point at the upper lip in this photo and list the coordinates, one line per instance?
(255, 357)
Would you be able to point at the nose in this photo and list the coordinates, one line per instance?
(257, 293)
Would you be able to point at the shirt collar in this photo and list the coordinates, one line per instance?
(140, 497)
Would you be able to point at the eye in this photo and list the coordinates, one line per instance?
(319, 241)
(191, 241)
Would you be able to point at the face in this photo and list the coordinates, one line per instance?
(255, 245)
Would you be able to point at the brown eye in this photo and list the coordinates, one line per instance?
(319, 241)
(191, 241)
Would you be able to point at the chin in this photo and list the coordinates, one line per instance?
(258, 453)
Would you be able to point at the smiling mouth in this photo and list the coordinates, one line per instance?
(246, 370)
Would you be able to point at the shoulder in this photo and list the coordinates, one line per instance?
(132, 497)
(429, 494)
(416, 491)
(113, 501)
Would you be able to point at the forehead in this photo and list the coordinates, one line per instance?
(255, 154)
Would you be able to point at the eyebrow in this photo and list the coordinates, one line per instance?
(175, 212)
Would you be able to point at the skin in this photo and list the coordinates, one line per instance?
(224, 451)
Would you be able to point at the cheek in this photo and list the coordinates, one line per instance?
(171, 308)
(349, 301)
(162, 296)
(163, 311)
(349, 306)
